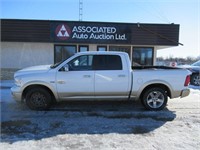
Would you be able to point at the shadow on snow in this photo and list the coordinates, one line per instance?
(21, 124)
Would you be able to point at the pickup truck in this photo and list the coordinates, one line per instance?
(99, 76)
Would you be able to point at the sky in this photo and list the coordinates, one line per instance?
(186, 13)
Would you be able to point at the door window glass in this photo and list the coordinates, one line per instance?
(81, 63)
(107, 62)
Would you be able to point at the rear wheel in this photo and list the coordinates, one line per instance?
(38, 99)
(154, 99)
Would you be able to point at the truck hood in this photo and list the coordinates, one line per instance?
(34, 69)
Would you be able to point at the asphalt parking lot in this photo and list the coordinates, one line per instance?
(100, 125)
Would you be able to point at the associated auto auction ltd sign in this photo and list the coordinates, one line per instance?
(72, 32)
(94, 32)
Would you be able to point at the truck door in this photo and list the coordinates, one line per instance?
(110, 78)
(78, 80)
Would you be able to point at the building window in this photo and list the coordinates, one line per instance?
(62, 52)
(142, 56)
(101, 48)
(126, 49)
(83, 48)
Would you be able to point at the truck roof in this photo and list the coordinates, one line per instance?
(102, 52)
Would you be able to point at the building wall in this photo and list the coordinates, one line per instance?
(24, 54)
(32, 42)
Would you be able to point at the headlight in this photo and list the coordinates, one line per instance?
(18, 81)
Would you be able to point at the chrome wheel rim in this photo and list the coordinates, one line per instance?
(155, 99)
(196, 80)
(38, 99)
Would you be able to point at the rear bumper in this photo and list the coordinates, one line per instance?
(185, 93)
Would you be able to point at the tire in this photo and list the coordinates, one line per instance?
(195, 79)
(38, 99)
(154, 99)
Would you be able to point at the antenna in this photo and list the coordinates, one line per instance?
(80, 10)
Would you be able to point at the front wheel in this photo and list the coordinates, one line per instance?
(38, 99)
(154, 99)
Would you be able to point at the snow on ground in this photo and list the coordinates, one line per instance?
(100, 125)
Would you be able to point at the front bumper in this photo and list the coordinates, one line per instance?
(16, 93)
(185, 93)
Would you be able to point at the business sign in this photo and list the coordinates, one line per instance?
(89, 33)
(96, 33)
(63, 32)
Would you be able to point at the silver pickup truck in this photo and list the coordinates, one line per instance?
(99, 75)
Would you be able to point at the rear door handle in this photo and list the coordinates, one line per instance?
(121, 76)
(87, 76)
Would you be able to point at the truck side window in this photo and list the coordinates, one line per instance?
(107, 62)
(81, 63)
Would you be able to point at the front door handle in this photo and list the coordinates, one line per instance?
(61, 82)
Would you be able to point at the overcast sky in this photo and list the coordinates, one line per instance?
(183, 12)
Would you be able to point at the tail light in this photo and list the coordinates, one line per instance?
(187, 80)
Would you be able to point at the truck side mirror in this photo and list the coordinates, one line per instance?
(66, 68)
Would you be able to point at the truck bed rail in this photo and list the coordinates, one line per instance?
(153, 67)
